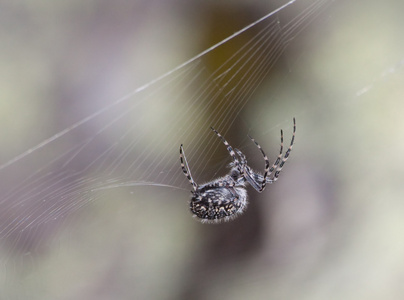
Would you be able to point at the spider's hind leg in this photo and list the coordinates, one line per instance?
(185, 168)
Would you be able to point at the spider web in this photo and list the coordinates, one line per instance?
(134, 139)
(123, 155)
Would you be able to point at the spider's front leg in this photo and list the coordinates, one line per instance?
(280, 161)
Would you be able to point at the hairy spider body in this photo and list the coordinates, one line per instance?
(211, 204)
(226, 197)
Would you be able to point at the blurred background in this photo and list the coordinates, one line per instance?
(332, 227)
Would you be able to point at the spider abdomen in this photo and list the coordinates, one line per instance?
(219, 203)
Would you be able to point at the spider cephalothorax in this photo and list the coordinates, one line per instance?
(226, 197)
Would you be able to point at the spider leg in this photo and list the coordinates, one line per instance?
(185, 168)
(243, 159)
(231, 152)
(229, 148)
(285, 157)
(251, 175)
(246, 171)
(278, 159)
(254, 179)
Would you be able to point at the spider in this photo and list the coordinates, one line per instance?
(225, 198)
